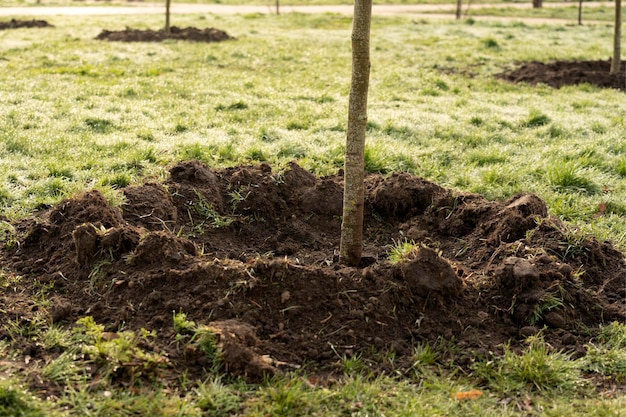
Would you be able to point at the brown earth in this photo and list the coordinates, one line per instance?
(175, 33)
(17, 24)
(252, 253)
(561, 73)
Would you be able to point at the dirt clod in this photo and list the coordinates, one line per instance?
(555, 320)
(429, 273)
(238, 345)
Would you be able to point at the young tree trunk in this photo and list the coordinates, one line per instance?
(354, 168)
(459, 6)
(167, 16)
(580, 12)
(537, 4)
(617, 38)
(277, 7)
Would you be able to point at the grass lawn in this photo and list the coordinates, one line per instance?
(82, 113)
(77, 113)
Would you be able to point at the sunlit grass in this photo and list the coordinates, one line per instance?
(535, 379)
(537, 368)
(401, 251)
(16, 401)
(80, 113)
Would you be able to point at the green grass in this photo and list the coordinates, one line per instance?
(607, 356)
(16, 401)
(130, 110)
(79, 113)
(401, 251)
(535, 380)
(535, 369)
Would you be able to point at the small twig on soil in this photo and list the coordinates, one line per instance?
(327, 319)
(336, 331)
(284, 310)
(147, 215)
(493, 257)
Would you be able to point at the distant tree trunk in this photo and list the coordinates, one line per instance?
(167, 16)
(617, 39)
(537, 4)
(580, 12)
(459, 5)
(277, 7)
(354, 168)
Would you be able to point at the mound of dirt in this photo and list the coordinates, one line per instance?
(560, 73)
(175, 33)
(16, 24)
(251, 253)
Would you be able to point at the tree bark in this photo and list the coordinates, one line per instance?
(537, 4)
(354, 168)
(617, 39)
(167, 16)
(459, 5)
(580, 12)
(277, 7)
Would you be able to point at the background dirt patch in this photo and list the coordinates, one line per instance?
(175, 33)
(16, 24)
(561, 73)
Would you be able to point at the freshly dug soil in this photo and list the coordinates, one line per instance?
(16, 24)
(252, 253)
(560, 73)
(176, 33)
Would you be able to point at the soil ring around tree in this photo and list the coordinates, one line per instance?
(251, 253)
